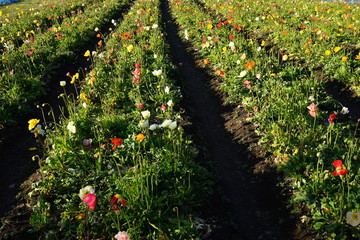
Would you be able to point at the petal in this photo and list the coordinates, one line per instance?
(337, 164)
(344, 171)
(90, 199)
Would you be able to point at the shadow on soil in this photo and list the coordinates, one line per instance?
(247, 204)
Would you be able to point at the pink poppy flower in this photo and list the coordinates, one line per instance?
(90, 199)
(122, 236)
(339, 168)
(312, 108)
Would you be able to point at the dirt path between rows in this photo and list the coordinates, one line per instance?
(246, 205)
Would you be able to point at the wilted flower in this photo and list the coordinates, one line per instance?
(71, 127)
(353, 218)
(117, 199)
(122, 236)
(339, 170)
(38, 130)
(87, 143)
(86, 190)
(312, 108)
(33, 122)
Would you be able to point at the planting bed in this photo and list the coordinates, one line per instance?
(180, 119)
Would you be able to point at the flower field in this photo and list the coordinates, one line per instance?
(115, 161)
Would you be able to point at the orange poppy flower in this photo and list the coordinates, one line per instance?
(250, 65)
(117, 142)
(140, 137)
(220, 73)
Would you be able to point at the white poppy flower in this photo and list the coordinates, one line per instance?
(153, 127)
(157, 73)
(146, 114)
(86, 190)
(71, 127)
(242, 74)
(173, 125)
(353, 218)
(344, 110)
(166, 123)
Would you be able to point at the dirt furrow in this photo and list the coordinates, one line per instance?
(248, 205)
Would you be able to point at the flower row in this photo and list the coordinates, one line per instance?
(124, 139)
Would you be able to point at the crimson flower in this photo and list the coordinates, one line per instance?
(117, 142)
(90, 199)
(231, 37)
(339, 170)
(117, 199)
(332, 117)
(312, 108)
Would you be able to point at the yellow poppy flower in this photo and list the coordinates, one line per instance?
(336, 49)
(130, 48)
(87, 53)
(327, 52)
(33, 122)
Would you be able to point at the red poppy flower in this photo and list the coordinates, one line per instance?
(117, 199)
(90, 199)
(231, 37)
(332, 117)
(117, 142)
(339, 170)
